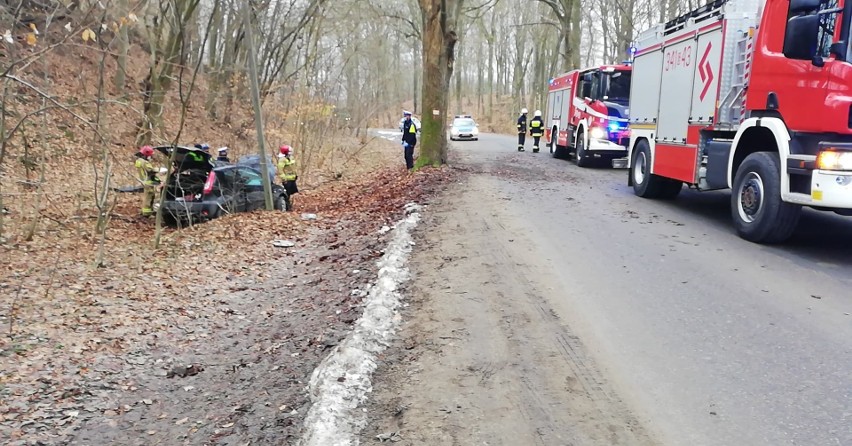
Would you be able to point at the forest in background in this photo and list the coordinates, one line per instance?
(84, 83)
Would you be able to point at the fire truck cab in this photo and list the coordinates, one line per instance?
(749, 95)
(587, 113)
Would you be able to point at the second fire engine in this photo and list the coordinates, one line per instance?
(587, 114)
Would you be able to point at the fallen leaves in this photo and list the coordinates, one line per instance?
(88, 35)
(81, 339)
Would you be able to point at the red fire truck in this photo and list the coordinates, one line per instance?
(587, 112)
(750, 95)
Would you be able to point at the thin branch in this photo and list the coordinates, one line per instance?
(56, 103)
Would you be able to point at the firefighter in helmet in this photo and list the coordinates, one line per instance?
(536, 129)
(287, 170)
(147, 175)
(522, 129)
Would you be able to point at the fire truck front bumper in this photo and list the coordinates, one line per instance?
(831, 189)
(604, 148)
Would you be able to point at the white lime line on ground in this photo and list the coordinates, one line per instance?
(341, 382)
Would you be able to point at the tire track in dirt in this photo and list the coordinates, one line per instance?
(517, 376)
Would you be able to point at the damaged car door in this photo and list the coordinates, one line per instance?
(252, 187)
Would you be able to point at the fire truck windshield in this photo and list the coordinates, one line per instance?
(617, 87)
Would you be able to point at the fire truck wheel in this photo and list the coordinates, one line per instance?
(580, 154)
(555, 150)
(670, 189)
(759, 213)
(646, 184)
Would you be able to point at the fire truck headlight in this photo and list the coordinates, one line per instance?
(834, 160)
(597, 133)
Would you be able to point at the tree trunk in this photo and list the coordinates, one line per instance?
(459, 103)
(214, 73)
(416, 80)
(576, 34)
(123, 44)
(167, 56)
(490, 112)
(672, 9)
(439, 41)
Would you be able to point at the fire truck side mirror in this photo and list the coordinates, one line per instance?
(838, 49)
(801, 38)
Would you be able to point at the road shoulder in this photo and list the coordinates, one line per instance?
(482, 357)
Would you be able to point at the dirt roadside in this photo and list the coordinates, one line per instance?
(482, 357)
(225, 363)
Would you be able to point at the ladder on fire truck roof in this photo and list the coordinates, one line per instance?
(699, 14)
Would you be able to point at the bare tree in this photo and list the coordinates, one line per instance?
(567, 15)
(167, 38)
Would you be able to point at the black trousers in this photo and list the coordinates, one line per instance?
(409, 157)
(290, 187)
(521, 138)
(536, 139)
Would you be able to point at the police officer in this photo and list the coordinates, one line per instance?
(147, 175)
(223, 155)
(409, 139)
(536, 129)
(522, 129)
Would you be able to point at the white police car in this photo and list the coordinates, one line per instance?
(464, 127)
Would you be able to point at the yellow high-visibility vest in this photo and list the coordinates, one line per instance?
(145, 171)
(287, 169)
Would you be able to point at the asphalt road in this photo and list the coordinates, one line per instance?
(707, 339)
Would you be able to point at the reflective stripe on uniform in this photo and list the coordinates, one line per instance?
(145, 171)
(286, 169)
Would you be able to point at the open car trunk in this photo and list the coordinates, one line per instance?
(190, 170)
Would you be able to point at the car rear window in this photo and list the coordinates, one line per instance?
(226, 177)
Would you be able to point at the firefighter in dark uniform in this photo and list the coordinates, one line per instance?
(522, 129)
(409, 139)
(536, 129)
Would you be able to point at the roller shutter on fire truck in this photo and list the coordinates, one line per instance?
(752, 95)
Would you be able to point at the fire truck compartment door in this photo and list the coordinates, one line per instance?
(645, 87)
(706, 85)
(678, 73)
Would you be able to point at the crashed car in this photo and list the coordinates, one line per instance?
(253, 161)
(198, 190)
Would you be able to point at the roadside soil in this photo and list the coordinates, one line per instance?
(482, 357)
(210, 341)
